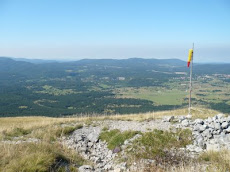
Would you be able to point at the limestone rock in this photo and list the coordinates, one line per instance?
(185, 123)
(228, 130)
(217, 126)
(219, 116)
(85, 168)
(199, 121)
(168, 118)
(212, 147)
(93, 137)
(225, 125)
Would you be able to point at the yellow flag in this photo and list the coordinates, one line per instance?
(190, 54)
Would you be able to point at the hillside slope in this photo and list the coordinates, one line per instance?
(113, 143)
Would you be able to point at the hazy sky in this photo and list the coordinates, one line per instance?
(76, 29)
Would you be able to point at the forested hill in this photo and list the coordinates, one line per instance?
(50, 88)
(20, 64)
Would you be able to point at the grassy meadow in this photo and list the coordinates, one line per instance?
(159, 96)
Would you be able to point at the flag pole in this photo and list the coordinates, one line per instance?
(190, 87)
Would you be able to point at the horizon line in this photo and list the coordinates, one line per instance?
(72, 60)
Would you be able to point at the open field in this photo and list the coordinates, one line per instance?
(217, 91)
(160, 96)
(47, 89)
(206, 93)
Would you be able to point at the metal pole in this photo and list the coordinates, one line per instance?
(190, 89)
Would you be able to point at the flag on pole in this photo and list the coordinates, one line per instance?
(190, 54)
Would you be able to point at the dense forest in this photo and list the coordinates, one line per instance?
(107, 86)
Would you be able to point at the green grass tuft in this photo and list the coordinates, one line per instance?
(16, 132)
(105, 128)
(69, 129)
(157, 144)
(116, 138)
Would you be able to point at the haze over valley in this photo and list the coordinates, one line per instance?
(108, 86)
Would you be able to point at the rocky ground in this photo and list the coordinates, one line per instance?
(86, 141)
(209, 134)
(212, 133)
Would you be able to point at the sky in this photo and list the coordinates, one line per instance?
(118, 29)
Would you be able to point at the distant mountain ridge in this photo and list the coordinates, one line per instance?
(22, 65)
(35, 61)
(172, 61)
(40, 61)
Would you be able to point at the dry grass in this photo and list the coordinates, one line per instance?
(53, 132)
(47, 154)
(28, 124)
(9, 123)
(219, 160)
(196, 113)
(41, 156)
(212, 161)
(188, 167)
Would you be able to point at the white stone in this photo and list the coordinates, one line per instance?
(198, 149)
(228, 119)
(202, 128)
(189, 116)
(209, 120)
(217, 126)
(85, 168)
(168, 118)
(228, 130)
(225, 125)
(220, 115)
(199, 121)
(212, 147)
(185, 123)
(117, 170)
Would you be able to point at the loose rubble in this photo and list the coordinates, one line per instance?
(209, 134)
(142, 126)
(86, 142)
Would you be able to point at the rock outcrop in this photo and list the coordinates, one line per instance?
(209, 134)
(86, 142)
